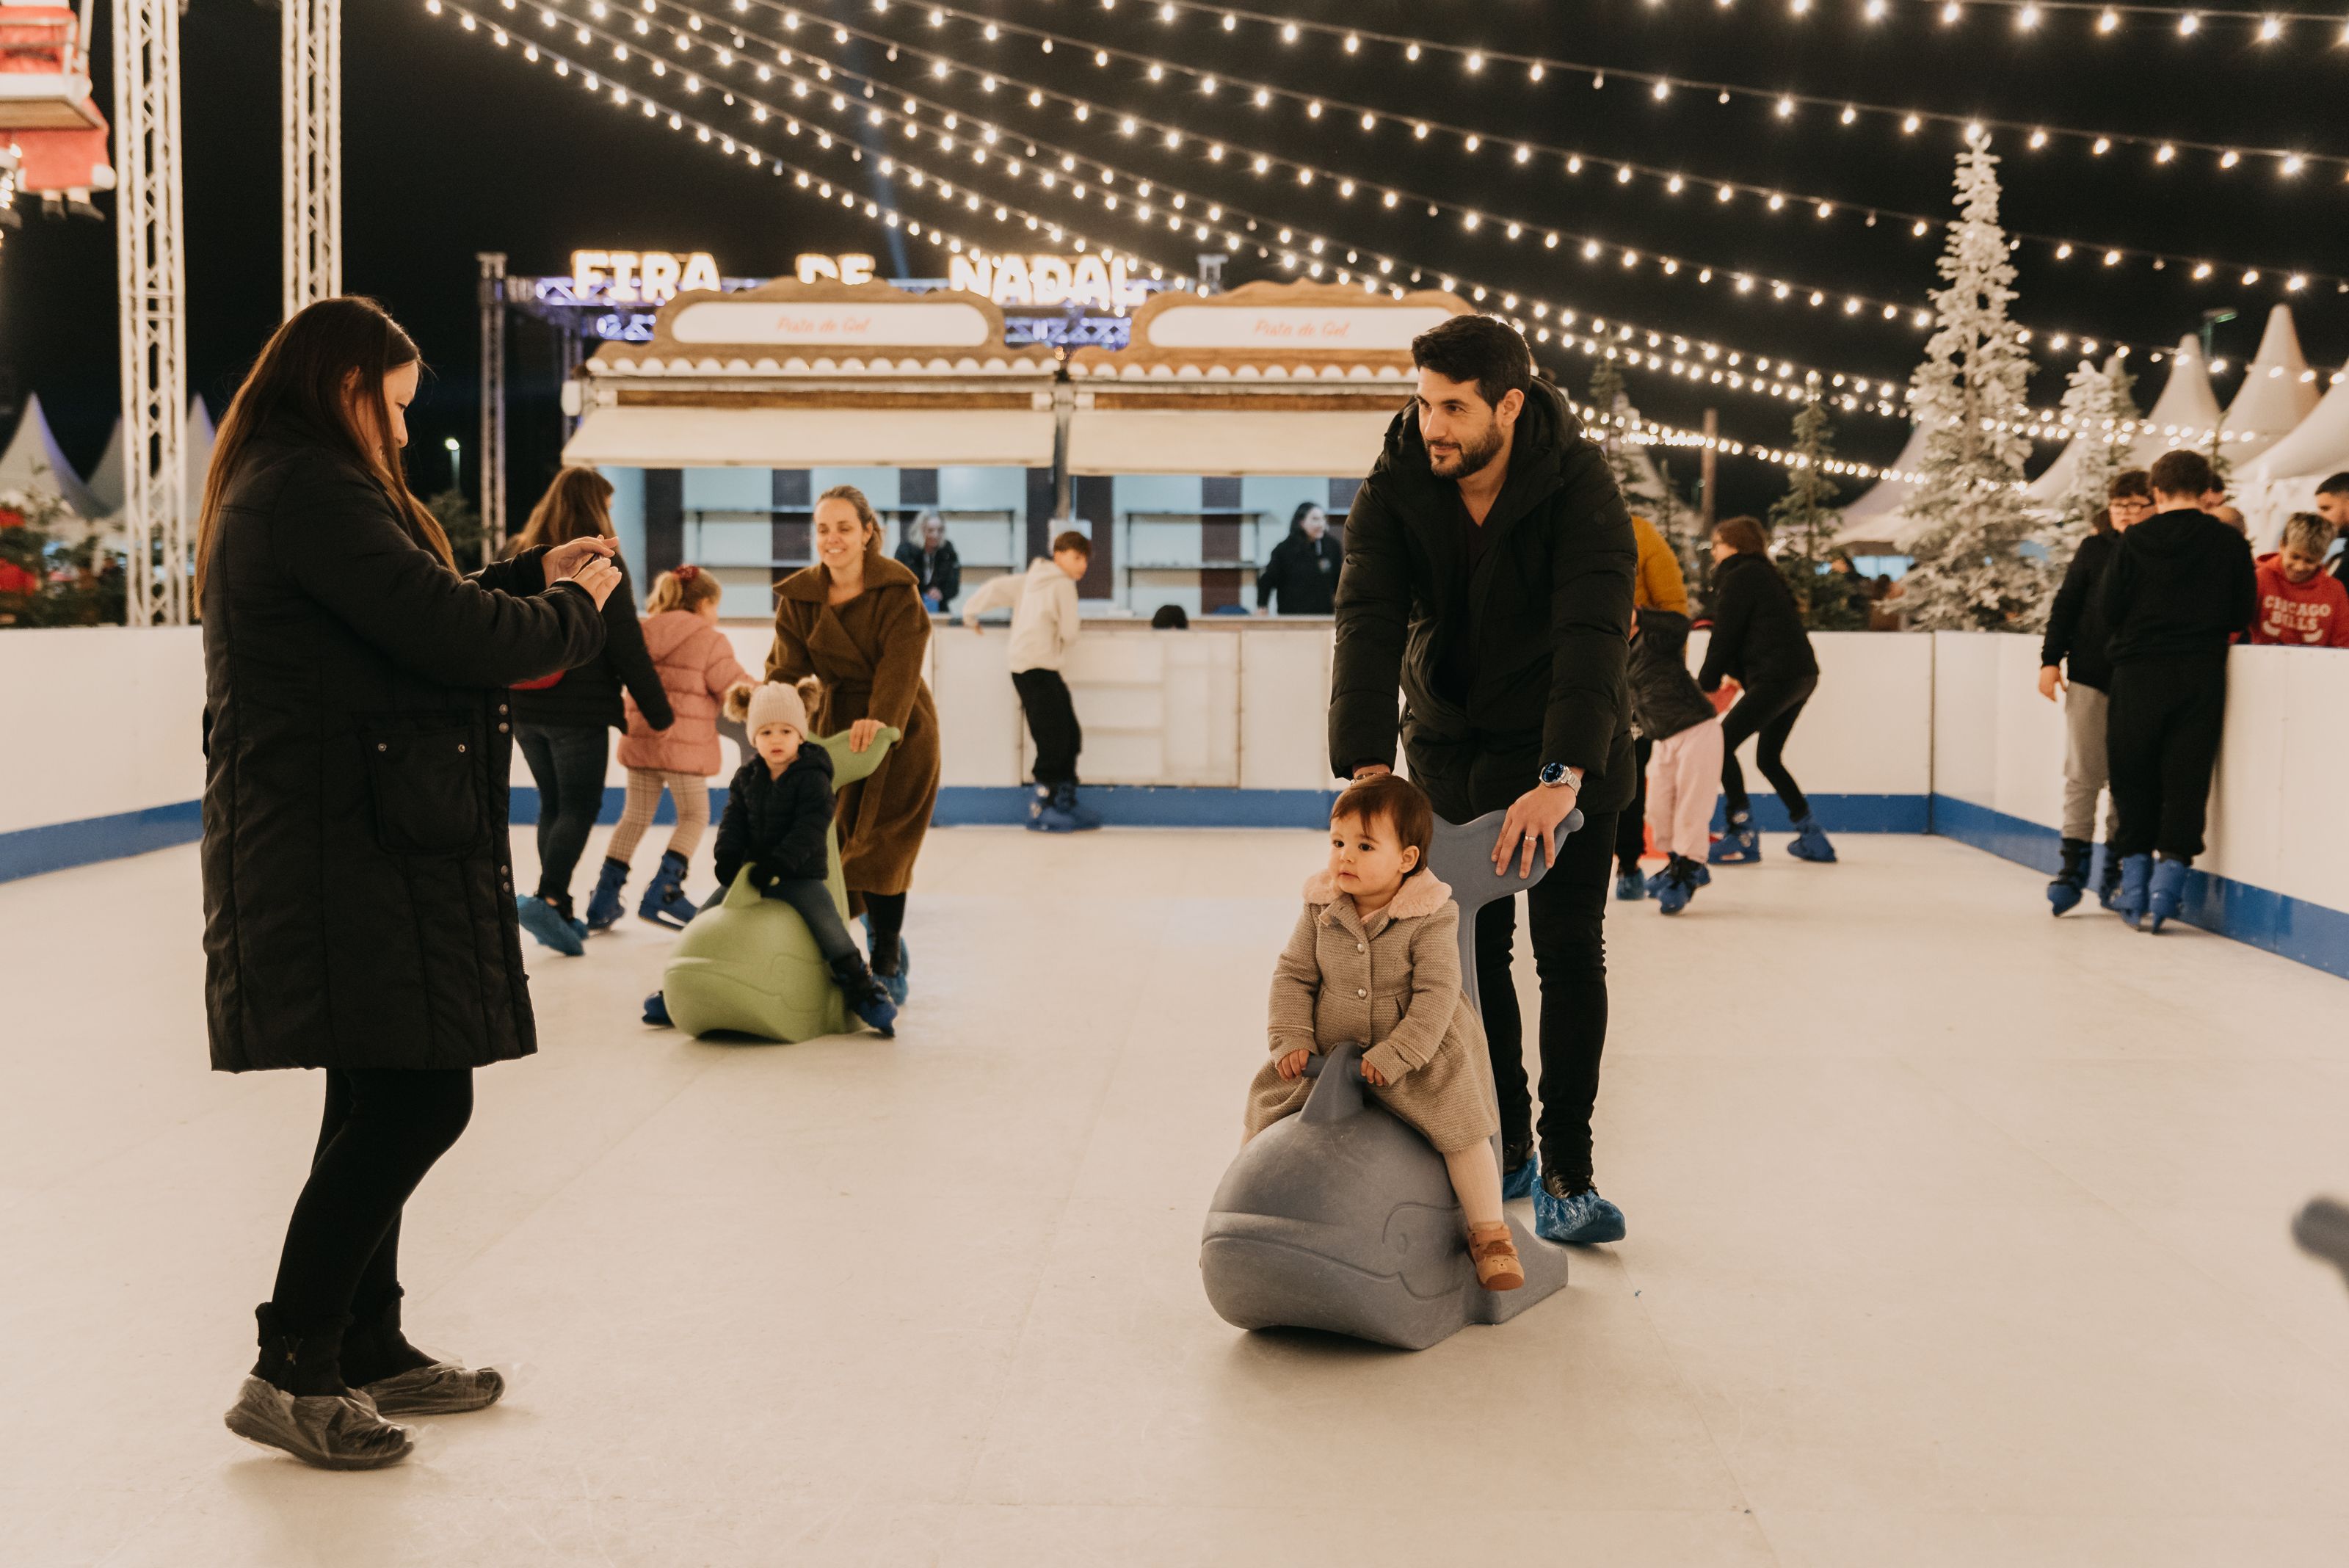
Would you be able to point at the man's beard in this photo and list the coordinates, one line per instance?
(1471, 459)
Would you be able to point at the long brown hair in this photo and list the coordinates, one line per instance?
(577, 505)
(321, 373)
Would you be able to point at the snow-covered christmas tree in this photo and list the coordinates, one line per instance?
(1970, 395)
(2096, 404)
(1803, 522)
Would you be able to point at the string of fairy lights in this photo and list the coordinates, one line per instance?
(658, 109)
(1679, 354)
(1592, 248)
(1728, 195)
(1621, 342)
(903, 109)
(1544, 70)
(2029, 17)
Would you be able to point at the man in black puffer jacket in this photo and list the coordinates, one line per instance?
(1489, 560)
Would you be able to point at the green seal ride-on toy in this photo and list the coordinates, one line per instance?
(749, 965)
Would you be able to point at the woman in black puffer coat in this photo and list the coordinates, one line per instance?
(1758, 641)
(358, 892)
(564, 722)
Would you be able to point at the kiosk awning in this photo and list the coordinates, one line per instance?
(639, 437)
(1224, 441)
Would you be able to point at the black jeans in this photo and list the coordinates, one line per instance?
(1769, 712)
(383, 1129)
(1567, 912)
(1053, 722)
(812, 899)
(567, 762)
(1631, 822)
(2162, 743)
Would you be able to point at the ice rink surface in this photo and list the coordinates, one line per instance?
(1958, 1237)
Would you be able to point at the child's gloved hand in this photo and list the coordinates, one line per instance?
(1290, 1065)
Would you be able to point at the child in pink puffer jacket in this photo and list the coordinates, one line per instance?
(698, 668)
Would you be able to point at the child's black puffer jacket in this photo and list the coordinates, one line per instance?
(776, 826)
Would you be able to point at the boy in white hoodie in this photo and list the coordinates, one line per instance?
(1044, 624)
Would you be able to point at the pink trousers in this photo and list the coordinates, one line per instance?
(1683, 781)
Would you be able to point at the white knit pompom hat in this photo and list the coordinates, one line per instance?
(774, 703)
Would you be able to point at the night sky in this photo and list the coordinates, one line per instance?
(452, 146)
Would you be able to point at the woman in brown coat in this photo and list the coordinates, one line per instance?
(855, 621)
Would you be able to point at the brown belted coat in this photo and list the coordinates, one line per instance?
(868, 654)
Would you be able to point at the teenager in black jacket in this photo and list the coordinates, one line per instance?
(2075, 659)
(563, 723)
(778, 823)
(2181, 588)
(1758, 641)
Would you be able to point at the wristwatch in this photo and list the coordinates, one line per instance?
(1557, 775)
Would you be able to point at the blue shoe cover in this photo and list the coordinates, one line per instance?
(2164, 891)
(1811, 843)
(1678, 889)
(544, 921)
(878, 1012)
(1629, 887)
(1584, 1219)
(1523, 1182)
(657, 1010)
(1740, 846)
(2137, 874)
(1085, 817)
(1044, 813)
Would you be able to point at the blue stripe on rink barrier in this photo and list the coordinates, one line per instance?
(2290, 928)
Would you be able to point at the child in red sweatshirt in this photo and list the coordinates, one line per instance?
(2299, 605)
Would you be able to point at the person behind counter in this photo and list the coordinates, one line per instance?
(1302, 572)
(930, 556)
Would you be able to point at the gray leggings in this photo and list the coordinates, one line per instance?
(812, 899)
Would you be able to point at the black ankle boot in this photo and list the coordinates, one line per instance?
(303, 1365)
(373, 1347)
(295, 1401)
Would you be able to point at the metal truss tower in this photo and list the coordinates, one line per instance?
(151, 285)
(494, 403)
(311, 100)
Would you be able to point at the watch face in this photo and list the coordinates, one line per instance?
(1555, 774)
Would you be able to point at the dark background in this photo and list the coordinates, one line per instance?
(452, 146)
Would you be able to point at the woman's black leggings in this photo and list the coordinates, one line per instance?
(383, 1127)
(567, 762)
(886, 912)
(1769, 712)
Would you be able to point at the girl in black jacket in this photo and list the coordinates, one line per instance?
(562, 722)
(778, 823)
(359, 890)
(1759, 641)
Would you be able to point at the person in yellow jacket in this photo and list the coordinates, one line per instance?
(1658, 585)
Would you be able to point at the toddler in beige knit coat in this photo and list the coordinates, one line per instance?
(1375, 960)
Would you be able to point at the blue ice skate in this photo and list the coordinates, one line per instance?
(1740, 846)
(2137, 874)
(2164, 890)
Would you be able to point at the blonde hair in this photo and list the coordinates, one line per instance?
(687, 587)
(2309, 533)
(855, 498)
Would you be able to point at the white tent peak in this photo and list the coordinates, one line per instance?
(106, 480)
(32, 463)
(1875, 515)
(2277, 393)
(2186, 409)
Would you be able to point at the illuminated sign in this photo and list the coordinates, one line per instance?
(1041, 279)
(642, 277)
(853, 266)
(1362, 328)
(900, 323)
